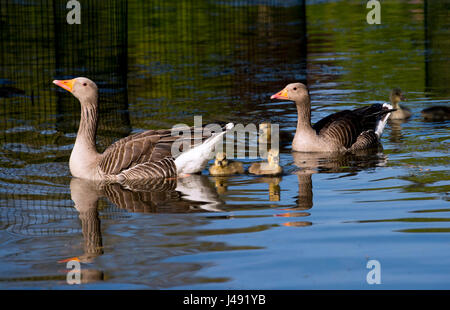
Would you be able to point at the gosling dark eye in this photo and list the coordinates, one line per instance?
(295, 88)
(84, 84)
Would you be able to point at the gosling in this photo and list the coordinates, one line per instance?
(271, 167)
(224, 167)
(436, 113)
(265, 135)
(402, 111)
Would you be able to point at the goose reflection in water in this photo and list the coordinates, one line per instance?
(182, 195)
(197, 193)
(191, 194)
(311, 163)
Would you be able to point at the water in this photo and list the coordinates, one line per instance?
(160, 64)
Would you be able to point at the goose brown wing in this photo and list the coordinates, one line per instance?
(365, 140)
(345, 127)
(342, 128)
(140, 149)
(148, 146)
(325, 122)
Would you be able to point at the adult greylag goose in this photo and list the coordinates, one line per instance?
(436, 113)
(402, 112)
(348, 130)
(140, 156)
(224, 167)
(271, 167)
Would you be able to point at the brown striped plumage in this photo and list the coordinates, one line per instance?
(164, 168)
(343, 131)
(354, 129)
(146, 147)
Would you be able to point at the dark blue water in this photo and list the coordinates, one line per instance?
(315, 227)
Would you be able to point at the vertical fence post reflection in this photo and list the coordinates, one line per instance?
(38, 45)
(212, 57)
(27, 63)
(97, 49)
(437, 45)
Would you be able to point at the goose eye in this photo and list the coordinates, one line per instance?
(84, 84)
(295, 88)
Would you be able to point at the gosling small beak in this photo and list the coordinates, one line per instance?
(66, 84)
(403, 98)
(280, 95)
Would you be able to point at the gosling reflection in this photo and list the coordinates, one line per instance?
(273, 186)
(396, 130)
(274, 189)
(222, 183)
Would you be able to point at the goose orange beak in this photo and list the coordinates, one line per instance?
(280, 95)
(69, 259)
(66, 84)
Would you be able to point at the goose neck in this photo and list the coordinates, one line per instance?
(304, 116)
(88, 125)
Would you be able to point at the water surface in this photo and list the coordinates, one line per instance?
(159, 64)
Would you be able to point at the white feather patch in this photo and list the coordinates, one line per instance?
(382, 122)
(195, 159)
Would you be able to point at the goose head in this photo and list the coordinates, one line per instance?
(396, 96)
(221, 160)
(273, 157)
(297, 92)
(82, 88)
(264, 128)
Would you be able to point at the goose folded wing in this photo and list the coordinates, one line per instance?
(148, 146)
(345, 127)
(365, 140)
(325, 122)
(341, 128)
